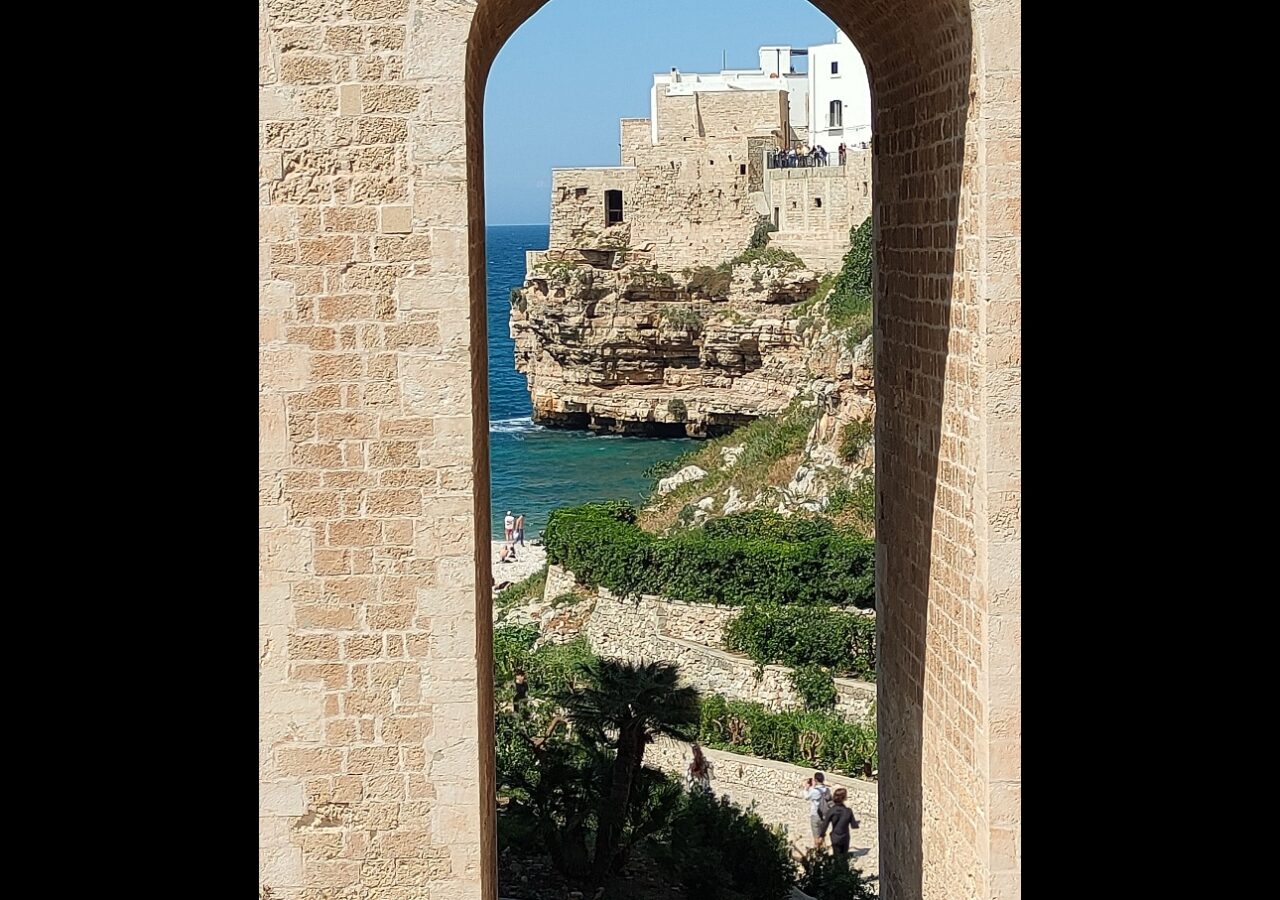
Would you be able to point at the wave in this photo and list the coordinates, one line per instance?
(516, 425)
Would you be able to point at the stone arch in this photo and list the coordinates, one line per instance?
(375, 737)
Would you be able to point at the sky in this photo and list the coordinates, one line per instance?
(559, 86)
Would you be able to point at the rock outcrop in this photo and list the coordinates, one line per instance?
(610, 343)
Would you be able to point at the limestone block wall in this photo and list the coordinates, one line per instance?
(816, 207)
(691, 215)
(646, 629)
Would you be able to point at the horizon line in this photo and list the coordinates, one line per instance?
(504, 224)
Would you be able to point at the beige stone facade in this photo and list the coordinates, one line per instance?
(375, 734)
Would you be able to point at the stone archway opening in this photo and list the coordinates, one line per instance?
(920, 59)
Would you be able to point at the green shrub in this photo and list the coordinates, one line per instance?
(850, 303)
(854, 438)
(773, 257)
(680, 316)
(816, 740)
(551, 669)
(512, 649)
(716, 849)
(603, 547)
(825, 876)
(712, 281)
(805, 636)
(760, 236)
(815, 686)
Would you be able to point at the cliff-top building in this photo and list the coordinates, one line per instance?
(696, 176)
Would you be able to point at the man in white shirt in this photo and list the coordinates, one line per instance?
(819, 797)
(509, 523)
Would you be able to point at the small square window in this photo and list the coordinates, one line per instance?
(579, 192)
(835, 68)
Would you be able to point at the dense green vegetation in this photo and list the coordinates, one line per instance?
(818, 740)
(815, 686)
(584, 799)
(849, 305)
(735, 560)
(806, 636)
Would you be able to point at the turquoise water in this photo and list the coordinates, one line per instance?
(534, 469)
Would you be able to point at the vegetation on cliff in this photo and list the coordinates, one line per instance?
(771, 448)
(735, 560)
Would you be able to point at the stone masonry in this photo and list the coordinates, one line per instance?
(375, 706)
(652, 628)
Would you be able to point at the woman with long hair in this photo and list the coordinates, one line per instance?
(697, 777)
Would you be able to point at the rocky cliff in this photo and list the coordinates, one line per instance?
(610, 342)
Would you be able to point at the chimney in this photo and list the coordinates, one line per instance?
(675, 75)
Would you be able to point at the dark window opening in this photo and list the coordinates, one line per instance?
(817, 203)
(793, 204)
(836, 114)
(835, 68)
(612, 207)
(711, 162)
(579, 192)
(742, 169)
(777, 217)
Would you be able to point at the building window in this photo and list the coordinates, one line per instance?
(836, 115)
(742, 169)
(777, 217)
(579, 192)
(612, 207)
(835, 68)
(817, 203)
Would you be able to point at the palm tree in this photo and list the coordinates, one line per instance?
(635, 702)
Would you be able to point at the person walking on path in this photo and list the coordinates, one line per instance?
(519, 536)
(697, 776)
(819, 797)
(840, 819)
(509, 525)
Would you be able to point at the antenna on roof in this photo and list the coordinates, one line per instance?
(722, 64)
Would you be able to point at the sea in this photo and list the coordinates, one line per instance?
(534, 469)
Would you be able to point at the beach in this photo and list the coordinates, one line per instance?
(528, 560)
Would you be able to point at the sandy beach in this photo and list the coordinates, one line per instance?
(528, 560)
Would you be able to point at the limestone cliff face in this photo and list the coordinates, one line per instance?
(610, 343)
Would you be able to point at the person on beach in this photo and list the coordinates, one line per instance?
(508, 554)
(509, 525)
(519, 536)
(697, 775)
(840, 819)
(819, 797)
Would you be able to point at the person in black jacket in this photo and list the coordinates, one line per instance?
(839, 818)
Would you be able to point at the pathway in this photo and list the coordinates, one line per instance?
(775, 789)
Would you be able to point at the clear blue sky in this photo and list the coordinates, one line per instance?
(559, 86)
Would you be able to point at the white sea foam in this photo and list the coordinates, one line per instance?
(517, 425)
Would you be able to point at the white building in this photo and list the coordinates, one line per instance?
(776, 72)
(830, 103)
(840, 96)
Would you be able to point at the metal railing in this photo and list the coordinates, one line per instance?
(785, 159)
